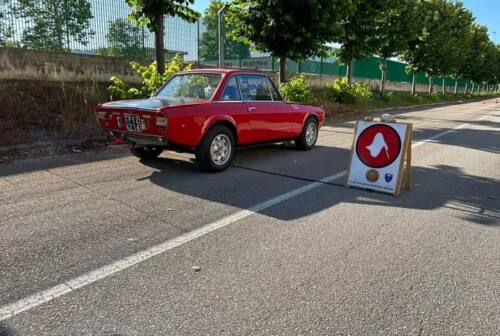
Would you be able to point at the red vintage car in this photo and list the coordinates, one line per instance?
(211, 112)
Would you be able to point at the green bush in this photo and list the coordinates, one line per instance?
(297, 90)
(416, 99)
(341, 92)
(436, 97)
(388, 96)
(151, 79)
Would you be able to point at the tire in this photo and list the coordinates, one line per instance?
(216, 150)
(306, 140)
(146, 153)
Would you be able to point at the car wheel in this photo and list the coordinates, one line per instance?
(216, 150)
(146, 153)
(309, 135)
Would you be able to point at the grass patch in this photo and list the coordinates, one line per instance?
(392, 99)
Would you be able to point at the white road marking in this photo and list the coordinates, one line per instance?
(45, 296)
(451, 130)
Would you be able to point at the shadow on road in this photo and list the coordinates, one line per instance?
(475, 199)
(483, 140)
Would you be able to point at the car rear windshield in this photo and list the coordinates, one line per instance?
(197, 86)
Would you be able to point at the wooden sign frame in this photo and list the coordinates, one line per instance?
(405, 166)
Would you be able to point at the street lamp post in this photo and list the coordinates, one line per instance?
(220, 24)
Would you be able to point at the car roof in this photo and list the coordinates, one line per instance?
(225, 71)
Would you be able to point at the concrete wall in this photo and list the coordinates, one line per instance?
(24, 64)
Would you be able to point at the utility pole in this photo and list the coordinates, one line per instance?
(220, 24)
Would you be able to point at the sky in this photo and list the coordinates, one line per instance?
(487, 12)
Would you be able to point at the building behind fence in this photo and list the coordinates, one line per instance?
(102, 27)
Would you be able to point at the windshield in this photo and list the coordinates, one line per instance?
(197, 86)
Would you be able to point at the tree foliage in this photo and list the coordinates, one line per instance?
(124, 39)
(54, 24)
(5, 29)
(209, 44)
(287, 29)
(151, 13)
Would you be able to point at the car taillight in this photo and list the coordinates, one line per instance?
(143, 124)
(161, 122)
(101, 115)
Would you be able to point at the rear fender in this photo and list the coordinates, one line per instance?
(219, 119)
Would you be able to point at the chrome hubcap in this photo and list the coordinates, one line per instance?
(220, 149)
(311, 134)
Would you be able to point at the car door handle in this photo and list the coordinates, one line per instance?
(251, 109)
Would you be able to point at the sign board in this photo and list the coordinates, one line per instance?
(380, 157)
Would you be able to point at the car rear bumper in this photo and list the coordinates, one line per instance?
(139, 139)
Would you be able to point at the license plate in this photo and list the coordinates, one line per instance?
(133, 122)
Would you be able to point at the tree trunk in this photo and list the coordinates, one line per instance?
(414, 84)
(431, 84)
(466, 87)
(473, 85)
(444, 86)
(160, 44)
(383, 70)
(456, 87)
(282, 73)
(349, 71)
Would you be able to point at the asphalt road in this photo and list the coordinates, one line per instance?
(279, 252)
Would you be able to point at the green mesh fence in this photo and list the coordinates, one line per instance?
(102, 27)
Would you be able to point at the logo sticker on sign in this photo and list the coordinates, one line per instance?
(380, 149)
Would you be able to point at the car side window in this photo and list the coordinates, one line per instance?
(274, 92)
(254, 88)
(231, 91)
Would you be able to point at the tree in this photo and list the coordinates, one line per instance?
(53, 24)
(457, 24)
(124, 39)
(209, 47)
(488, 64)
(429, 52)
(472, 65)
(357, 30)
(151, 13)
(397, 26)
(287, 29)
